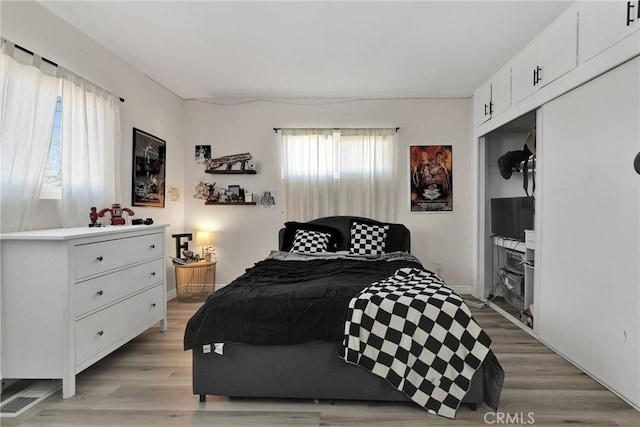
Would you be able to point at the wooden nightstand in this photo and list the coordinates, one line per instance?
(195, 281)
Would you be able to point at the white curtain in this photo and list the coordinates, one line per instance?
(90, 148)
(368, 173)
(308, 171)
(339, 172)
(27, 109)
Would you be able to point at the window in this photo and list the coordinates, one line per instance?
(339, 172)
(78, 164)
(52, 178)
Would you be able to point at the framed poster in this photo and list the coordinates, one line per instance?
(431, 177)
(149, 155)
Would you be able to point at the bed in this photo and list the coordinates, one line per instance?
(278, 331)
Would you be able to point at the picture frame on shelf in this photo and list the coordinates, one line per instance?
(148, 181)
(234, 192)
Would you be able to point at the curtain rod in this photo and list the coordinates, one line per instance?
(277, 129)
(48, 61)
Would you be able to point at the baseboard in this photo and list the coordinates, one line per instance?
(172, 294)
(462, 290)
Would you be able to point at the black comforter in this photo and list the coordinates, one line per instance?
(288, 301)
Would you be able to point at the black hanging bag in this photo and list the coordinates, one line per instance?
(511, 161)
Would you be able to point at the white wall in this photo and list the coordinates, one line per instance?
(148, 106)
(246, 234)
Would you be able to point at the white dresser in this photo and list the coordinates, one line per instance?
(71, 296)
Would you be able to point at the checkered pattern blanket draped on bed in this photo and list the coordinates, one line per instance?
(419, 335)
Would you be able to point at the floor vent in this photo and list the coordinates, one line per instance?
(25, 399)
(16, 405)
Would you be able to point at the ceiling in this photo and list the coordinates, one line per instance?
(304, 49)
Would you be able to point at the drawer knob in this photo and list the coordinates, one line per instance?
(153, 273)
(152, 246)
(100, 292)
(153, 305)
(100, 258)
(100, 333)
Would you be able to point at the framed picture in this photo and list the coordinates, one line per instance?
(431, 178)
(234, 192)
(267, 199)
(203, 153)
(149, 156)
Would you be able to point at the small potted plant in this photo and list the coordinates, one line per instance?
(209, 252)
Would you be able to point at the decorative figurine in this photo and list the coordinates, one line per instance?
(222, 195)
(205, 191)
(116, 214)
(211, 191)
(93, 216)
(189, 256)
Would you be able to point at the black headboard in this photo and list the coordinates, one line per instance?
(398, 238)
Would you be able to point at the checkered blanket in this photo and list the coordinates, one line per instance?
(419, 335)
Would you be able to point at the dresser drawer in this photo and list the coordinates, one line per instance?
(107, 327)
(96, 258)
(104, 290)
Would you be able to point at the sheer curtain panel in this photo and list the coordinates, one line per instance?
(308, 165)
(367, 173)
(28, 101)
(90, 148)
(339, 172)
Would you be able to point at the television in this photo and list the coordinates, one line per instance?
(510, 216)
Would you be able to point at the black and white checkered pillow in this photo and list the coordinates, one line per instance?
(309, 241)
(368, 239)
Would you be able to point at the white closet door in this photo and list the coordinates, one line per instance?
(589, 306)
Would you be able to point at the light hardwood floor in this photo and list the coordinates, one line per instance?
(148, 383)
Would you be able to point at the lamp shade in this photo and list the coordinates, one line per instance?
(204, 238)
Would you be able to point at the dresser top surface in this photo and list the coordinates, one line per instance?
(77, 232)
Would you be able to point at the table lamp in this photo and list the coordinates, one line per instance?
(205, 239)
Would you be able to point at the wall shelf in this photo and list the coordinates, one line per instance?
(231, 171)
(230, 203)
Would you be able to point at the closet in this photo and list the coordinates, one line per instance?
(509, 264)
(589, 302)
(581, 274)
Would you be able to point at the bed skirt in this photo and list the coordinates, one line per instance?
(304, 371)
